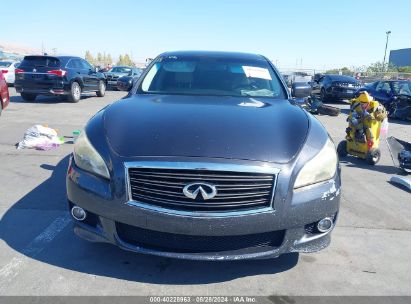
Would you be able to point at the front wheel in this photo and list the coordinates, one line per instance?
(28, 97)
(342, 149)
(101, 89)
(75, 92)
(323, 95)
(373, 156)
(328, 110)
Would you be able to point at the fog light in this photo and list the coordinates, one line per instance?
(78, 213)
(325, 224)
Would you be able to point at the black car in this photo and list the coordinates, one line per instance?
(395, 95)
(64, 76)
(335, 87)
(119, 71)
(386, 91)
(209, 158)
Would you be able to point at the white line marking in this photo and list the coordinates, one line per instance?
(36, 246)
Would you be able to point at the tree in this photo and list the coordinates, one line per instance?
(109, 59)
(405, 69)
(378, 67)
(89, 57)
(125, 60)
(343, 71)
(120, 60)
(99, 58)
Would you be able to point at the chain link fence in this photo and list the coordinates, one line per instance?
(307, 75)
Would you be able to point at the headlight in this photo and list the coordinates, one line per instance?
(87, 158)
(321, 168)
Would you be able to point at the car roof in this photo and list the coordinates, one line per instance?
(215, 54)
(63, 58)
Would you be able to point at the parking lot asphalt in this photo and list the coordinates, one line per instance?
(39, 254)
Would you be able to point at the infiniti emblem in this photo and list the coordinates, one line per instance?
(34, 70)
(207, 191)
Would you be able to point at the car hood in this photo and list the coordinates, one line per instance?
(260, 129)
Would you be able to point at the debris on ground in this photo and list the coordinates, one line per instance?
(316, 106)
(405, 182)
(40, 138)
(400, 153)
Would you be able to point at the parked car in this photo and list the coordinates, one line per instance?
(7, 68)
(394, 95)
(64, 76)
(335, 87)
(4, 93)
(207, 158)
(119, 71)
(385, 91)
(296, 77)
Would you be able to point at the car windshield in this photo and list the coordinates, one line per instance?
(40, 61)
(120, 70)
(5, 64)
(402, 87)
(212, 76)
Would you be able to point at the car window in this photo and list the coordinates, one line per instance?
(212, 76)
(5, 64)
(86, 65)
(383, 87)
(40, 61)
(16, 65)
(71, 64)
(75, 64)
(325, 79)
(120, 70)
(402, 87)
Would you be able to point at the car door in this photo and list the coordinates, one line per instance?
(383, 92)
(90, 76)
(78, 71)
(317, 84)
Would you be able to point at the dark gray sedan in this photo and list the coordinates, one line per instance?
(207, 158)
(119, 71)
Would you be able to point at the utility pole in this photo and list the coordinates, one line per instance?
(385, 52)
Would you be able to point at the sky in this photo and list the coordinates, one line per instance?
(315, 34)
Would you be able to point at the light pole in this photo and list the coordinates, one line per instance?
(386, 45)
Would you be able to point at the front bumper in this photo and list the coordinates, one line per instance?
(343, 92)
(290, 218)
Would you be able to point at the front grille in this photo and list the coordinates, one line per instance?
(196, 243)
(112, 77)
(235, 190)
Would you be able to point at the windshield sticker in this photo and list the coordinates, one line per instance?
(255, 72)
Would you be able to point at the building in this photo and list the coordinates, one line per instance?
(400, 58)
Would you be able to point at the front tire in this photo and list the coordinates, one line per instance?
(101, 89)
(373, 156)
(323, 95)
(328, 110)
(342, 149)
(28, 97)
(75, 92)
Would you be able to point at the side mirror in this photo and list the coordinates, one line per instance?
(300, 90)
(125, 83)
